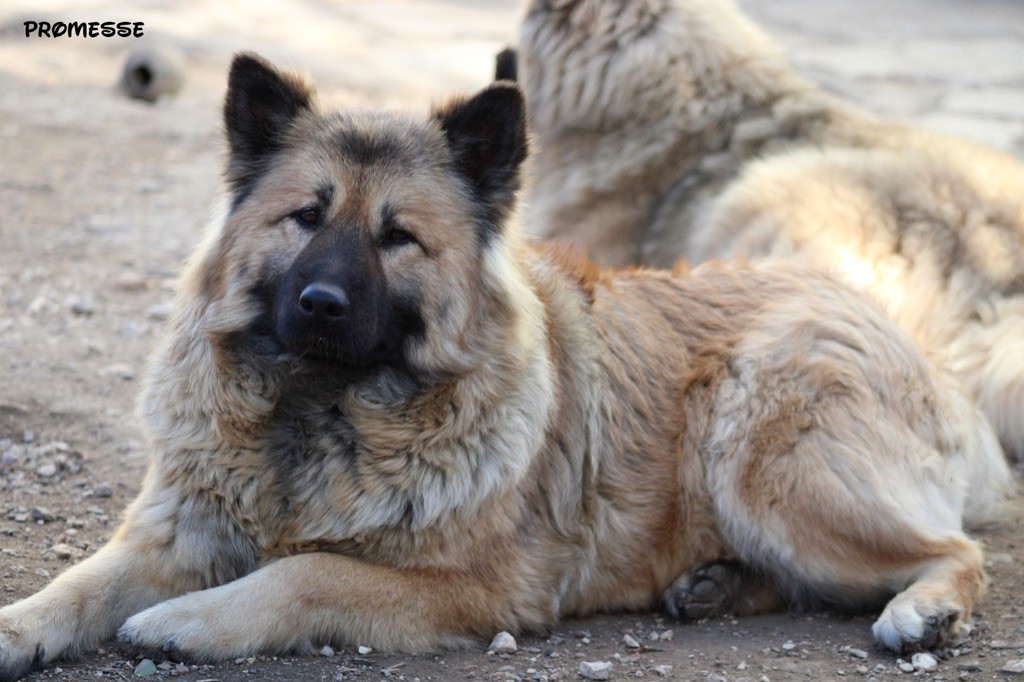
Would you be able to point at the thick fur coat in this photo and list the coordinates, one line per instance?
(509, 435)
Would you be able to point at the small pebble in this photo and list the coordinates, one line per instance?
(131, 281)
(631, 642)
(364, 650)
(503, 643)
(326, 651)
(47, 470)
(102, 490)
(160, 311)
(81, 305)
(145, 669)
(789, 646)
(595, 670)
(1015, 667)
(42, 514)
(64, 551)
(906, 667)
(120, 371)
(663, 670)
(924, 661)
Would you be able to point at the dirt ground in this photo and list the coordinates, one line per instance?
(102, 198)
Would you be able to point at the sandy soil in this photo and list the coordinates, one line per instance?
(102, 198)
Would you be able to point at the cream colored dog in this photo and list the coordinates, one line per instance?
(673, 129)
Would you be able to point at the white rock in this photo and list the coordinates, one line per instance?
(119, 370)
(667, 635)
(363, 650)
(789, 646)
(1016, 667)
(47, 470)
(65, 551)
(924, 661)
(631, 642)
(327, 651)
(81, 305)
(906, 667)
(503, 643)
(663, 670)
(160, 311)
(595, 670)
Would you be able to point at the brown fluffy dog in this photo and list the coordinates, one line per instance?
(380, 417)
(675, 129)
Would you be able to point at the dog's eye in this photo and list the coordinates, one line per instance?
(396, 236)
(308, 216)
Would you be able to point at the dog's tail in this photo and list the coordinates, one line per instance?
(505, 65)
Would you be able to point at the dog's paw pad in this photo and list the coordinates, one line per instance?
(706, 591)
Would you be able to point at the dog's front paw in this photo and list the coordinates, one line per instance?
(20, 653)
(202, 626)
(171, 626)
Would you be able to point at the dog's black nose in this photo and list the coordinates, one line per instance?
(323, 300)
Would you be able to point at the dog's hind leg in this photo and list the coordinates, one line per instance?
(834, 530)
(718, 588)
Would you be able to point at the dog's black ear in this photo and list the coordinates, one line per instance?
(505, 68)
(260, 105)
(487, 134)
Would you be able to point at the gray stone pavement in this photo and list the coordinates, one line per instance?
(954, 66)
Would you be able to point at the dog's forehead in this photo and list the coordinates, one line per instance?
(369, 138)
